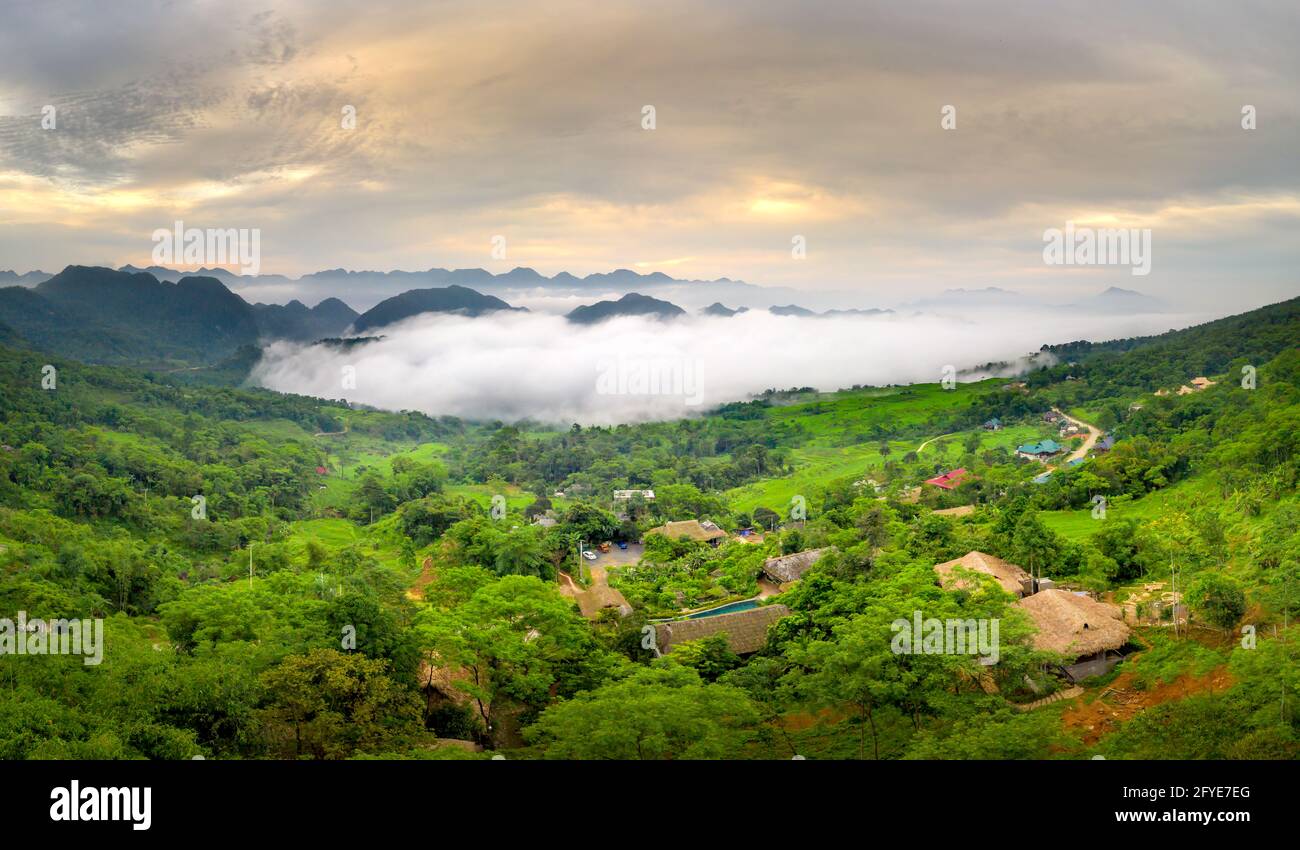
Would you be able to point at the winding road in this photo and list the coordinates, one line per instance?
(1094, 434)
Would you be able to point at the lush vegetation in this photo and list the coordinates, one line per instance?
(287, 577)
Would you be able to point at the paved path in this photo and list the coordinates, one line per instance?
(1068, 693)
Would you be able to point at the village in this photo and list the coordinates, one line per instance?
(1089, 634)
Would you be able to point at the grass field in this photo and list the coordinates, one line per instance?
(338, 534)
(351, 456)
(818, 465)
(1080, 525)
(515, 497)
(827, 414)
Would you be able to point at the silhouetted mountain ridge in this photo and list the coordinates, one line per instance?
(449, 299)
(631, 304)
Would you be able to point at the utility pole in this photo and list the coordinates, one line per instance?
(1173, 589)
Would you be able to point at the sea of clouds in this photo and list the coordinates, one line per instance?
(539, 366)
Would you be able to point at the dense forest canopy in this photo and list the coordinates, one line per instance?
(291, 577)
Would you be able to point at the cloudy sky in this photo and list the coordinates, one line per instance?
(772, 120)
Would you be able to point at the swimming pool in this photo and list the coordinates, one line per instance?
(729, 608)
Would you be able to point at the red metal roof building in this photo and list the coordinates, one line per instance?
(948, 480)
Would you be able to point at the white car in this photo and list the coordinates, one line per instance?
(589, 555)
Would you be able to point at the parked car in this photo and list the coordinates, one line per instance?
(604, 547)
(589, 555)
(622, 544)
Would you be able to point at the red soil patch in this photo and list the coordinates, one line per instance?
(797, 721)
(1120, 701)
(426, 577)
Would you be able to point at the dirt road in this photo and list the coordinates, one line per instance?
(1094, 434)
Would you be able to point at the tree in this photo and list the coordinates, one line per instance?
(425, 520)
(590, 523)
(328, 704)
(1132, 550)
(854, 671)
(710, 656)
(520, 642)
(662, 712)
(371, 500)
(1035, 545)
(766, 518)
(1217, 598)
(519, 552)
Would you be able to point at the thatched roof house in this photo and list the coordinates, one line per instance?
(746, 631)
(692, 529)
(791, 567)
(444, 682)
(1074, 625)
(598, 597)
(1011, 577)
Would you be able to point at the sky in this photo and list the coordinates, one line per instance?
(773, 121)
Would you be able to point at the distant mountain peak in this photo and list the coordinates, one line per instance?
(445, 299)
(790, 310)
(1115, 299)
(631, 304)
(717, 308)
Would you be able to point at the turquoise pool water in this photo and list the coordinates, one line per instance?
(731, 608)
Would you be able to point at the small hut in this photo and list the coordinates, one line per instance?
(1080, 628)
(1011, 578)
(788, 568)
(691, 529)
(598, 597)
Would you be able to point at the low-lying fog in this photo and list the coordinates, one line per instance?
(538, 366)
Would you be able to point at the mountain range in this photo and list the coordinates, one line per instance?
(364, 289)
(132, 315)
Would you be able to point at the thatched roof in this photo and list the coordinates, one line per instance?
(1074, 625)
(690, 528)
(445, 679)
(791, 567)
(746, 631)
(1008, 575)
(599, 597)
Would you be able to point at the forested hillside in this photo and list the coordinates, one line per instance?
(288, 577)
